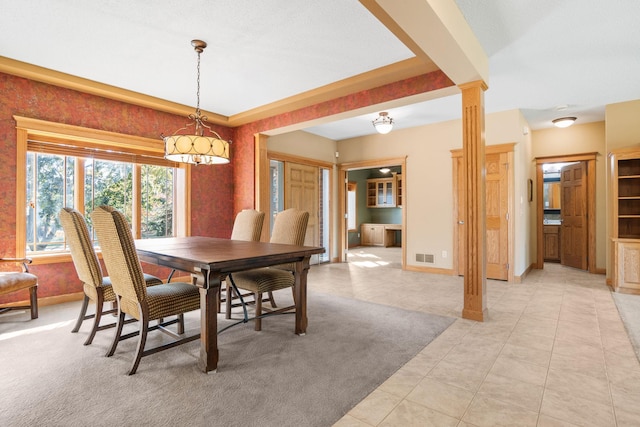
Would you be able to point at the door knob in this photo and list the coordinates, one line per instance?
(461, 222)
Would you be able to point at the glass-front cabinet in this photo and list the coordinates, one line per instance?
(381, 193)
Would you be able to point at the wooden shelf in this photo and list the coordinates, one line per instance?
(625, 189)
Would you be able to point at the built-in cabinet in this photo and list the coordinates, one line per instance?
(384, 192)
(381, 193)
(372, 234)
(552, 243)
(380, 234)
(625, 190)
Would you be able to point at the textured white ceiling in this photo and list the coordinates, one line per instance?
(543, 54)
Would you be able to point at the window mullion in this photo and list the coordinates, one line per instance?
(78, 185)
(136, 210)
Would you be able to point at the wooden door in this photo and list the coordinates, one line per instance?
(302, 192)
(573, 202)
(497, 212)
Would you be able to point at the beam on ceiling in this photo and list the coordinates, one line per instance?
(437, 30)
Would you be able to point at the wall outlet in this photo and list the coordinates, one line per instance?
(444, 254)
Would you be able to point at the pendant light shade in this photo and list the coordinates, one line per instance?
(203, 145)
(383, 123)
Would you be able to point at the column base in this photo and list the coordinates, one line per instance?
(479, 316)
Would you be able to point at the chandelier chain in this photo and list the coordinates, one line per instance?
(198, 88)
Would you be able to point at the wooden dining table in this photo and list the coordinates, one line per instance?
(209, 259)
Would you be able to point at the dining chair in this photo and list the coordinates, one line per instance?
(14, 281)
(247, 226)
(97, 288)
(132, 295)
(290, 227)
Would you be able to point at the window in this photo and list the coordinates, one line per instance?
(351, 206)
(84, 173)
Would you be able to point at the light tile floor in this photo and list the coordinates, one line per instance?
(553, 351)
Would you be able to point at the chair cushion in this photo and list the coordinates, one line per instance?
(172, 298)
(148, 278)
(264, 279)
(108, 294)
(14, 281)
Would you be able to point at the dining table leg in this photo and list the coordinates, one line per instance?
(209, 285)
(300, 295)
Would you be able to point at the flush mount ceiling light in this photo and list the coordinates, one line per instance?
(563, 122)
(204, 146)
(384, 170)
(383, 123)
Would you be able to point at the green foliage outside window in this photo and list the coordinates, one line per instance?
(51, 185)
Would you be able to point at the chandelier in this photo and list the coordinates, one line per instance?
(204, 145)
(383, 123)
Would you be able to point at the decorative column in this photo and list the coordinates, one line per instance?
(262, 185)
(473, 161)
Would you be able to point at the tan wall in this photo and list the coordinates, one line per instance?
(623, 124)
(304, 144)
(428, 181)
(581, 138)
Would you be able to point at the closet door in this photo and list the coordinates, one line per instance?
(302, 192)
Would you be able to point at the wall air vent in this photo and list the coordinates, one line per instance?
(424, 258)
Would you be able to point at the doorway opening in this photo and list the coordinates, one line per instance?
(372, 206)
(565, 206)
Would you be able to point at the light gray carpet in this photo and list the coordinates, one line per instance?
(629, 309)
(268, 378)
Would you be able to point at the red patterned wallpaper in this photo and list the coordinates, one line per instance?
(212, 186)
(244, 138)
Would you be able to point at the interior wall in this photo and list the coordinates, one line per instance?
(577, 139)
(211, 214)
(525, 175)
(428, 180)
(304, 144)
(623, 125)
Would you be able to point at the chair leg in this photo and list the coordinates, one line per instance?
(144, 326)
(272, 300)
(118, 332)
(83, 313)
(33, 293)
(96, 317)
(180, 324)
(258, 298)
(229, 298)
